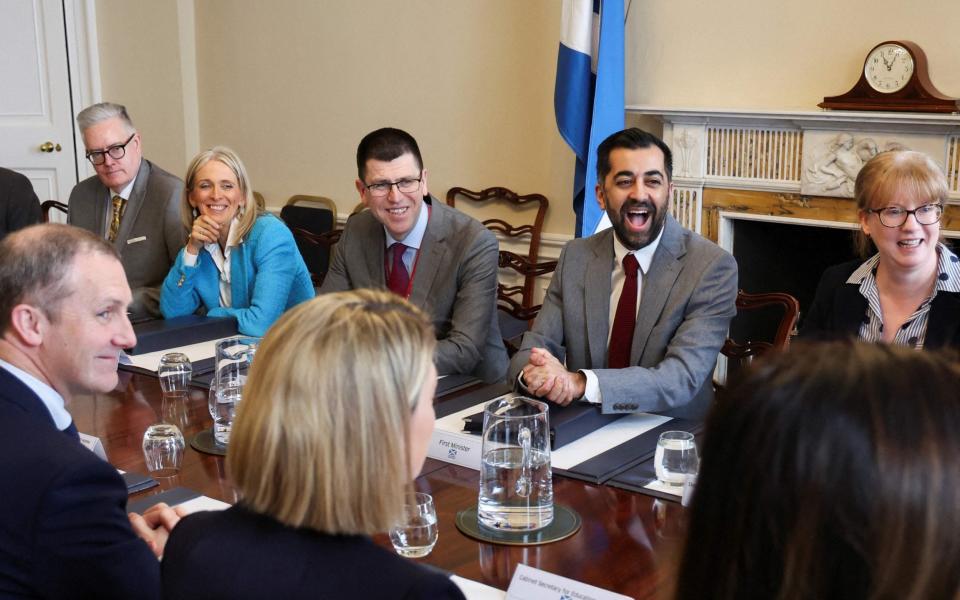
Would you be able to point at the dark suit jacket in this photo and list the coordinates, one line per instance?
(151, 232)
(686, 303)
(839, 309)
(19, 205)
(455, 283)
(238, 553)
(64, 531)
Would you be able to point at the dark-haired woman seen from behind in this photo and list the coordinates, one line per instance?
(908, 293)
(334, 425)
(831, 471)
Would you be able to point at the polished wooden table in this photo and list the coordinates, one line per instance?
(628, 542)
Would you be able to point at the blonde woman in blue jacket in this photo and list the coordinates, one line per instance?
(237, 262)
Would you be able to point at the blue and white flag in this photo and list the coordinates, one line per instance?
(588, 98)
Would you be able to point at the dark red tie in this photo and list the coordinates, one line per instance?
(399, 280)
(621, 336)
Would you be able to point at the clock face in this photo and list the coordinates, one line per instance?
(888, 68)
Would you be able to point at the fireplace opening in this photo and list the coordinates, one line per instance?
(780, 257)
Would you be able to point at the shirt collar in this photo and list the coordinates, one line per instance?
(948, 270)
(49, 396)
(415, 237)
(644, 255)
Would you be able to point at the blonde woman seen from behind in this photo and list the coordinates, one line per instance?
(334, 426)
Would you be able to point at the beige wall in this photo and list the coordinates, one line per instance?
(294, 84)
(140, 67)
(758, 53)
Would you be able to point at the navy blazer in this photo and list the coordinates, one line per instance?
(839, 309)
(238, 553)
(64, 531)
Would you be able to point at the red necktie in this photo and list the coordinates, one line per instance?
(621, 336)
(399, 280)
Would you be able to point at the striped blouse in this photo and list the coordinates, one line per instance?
(913, 332)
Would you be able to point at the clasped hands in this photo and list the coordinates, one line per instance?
(546, 377)
(155, 525)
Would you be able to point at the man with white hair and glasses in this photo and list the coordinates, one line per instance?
(130, 202)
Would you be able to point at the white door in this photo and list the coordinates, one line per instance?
(36, 119)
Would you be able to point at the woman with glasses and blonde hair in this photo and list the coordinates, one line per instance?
(908, 292)
(238, 260)
(334, 425)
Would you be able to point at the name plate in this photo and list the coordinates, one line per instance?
(458, 448)
(533, 584)
(93, 444)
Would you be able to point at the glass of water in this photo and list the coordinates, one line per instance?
(233, 359)
(163, 449)
(676, 457)
(416, 534)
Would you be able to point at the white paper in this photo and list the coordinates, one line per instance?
(449, 431)
(605, 438)
(673, 490)
(533, 584)
(203, 503)
(474, 590)
(93, 444)
(151, 360)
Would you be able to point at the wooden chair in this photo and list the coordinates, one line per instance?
(758, 315)
(532, 230)
(322, 244)
(51, 204)
(514, 317)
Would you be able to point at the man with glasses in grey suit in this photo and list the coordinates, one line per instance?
(440, 259)
(130, 202)
(635, 315)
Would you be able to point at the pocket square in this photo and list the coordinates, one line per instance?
(142, 238)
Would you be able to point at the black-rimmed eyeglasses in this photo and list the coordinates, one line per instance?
(406, 185)
(116, 152)
(895, 216)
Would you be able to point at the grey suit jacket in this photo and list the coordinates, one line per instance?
(687, 300)
(151, 232)
(455, 282)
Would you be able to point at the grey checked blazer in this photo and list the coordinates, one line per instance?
(688, 298)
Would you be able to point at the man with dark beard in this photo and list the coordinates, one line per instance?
(635, 315)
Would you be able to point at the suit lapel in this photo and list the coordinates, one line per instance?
(134, 203)
(664, 270)
(238, 276)
(596, 296)
(373, 253)
(433, 247)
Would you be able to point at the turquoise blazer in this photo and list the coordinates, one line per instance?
(267, 276)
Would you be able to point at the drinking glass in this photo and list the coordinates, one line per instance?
(516, 483)
(416, 534)
(163, 449)
(175, 373)
(233, 359)
(676, 457)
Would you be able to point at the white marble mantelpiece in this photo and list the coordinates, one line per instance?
(814, 153)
